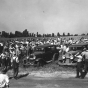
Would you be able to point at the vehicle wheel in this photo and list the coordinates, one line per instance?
(39, 63)
(24, 66)
(55, 57)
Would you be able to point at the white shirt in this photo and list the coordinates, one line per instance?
(15, 58)
(3, 56)
(64, 48)
(4, 80)
(79, 58)
(71, 57)
(67, 49)
(63, 57)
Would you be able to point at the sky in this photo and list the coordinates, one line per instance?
(44, 16)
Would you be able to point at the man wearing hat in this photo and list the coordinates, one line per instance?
(79, 65)
(85, 56)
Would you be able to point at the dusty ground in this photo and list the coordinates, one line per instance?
(49, 76)
(43, 79)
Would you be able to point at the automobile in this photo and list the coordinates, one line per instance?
(78, 47)
(42, 54)
(73, 50)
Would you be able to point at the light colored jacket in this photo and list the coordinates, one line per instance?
(4, 80)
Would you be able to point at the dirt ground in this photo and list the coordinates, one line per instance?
(49, 76)
(48, 80)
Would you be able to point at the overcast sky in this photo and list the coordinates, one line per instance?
(44, 16)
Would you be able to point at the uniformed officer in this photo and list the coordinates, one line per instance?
(85, 55)
(79, 65)
(15, 65)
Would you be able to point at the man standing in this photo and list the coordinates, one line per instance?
(15, 63)
(85, 55)
(79, 65)
(3, 58)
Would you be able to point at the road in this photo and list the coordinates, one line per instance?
(31, 81)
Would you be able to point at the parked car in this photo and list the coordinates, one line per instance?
(78, 47)
(70, 58)
(42, 54)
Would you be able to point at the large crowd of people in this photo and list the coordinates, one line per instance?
(12, 51)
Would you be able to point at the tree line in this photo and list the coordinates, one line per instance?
(26, 33)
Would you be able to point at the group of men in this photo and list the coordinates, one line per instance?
(4, 78)
(8, 62)
(82, 63)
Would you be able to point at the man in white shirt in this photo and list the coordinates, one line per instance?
(4, 81)
(79, 67)
(15, 63)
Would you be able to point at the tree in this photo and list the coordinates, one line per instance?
(37, 34)
(5, 34)
(53, 35)
(25, 33)
(63, 34)
(68, 34)
(18, 34)
(58, 34)
(75, 34)
(11, 35)
(43, 35)
(83, 34)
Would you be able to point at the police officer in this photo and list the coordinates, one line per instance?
(15, 65)
(85, 55)
(79, 65)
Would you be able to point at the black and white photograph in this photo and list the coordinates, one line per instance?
(43, 43)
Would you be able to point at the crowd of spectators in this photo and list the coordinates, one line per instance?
(24, 47)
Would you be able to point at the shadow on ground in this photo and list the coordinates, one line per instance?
(20, 76)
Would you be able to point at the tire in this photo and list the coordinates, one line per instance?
(55, 57)
(24, 66)
(39, 63)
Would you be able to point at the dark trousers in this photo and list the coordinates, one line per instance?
(85, 68)
(79, 69)
(9, 62)
(15, 70)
